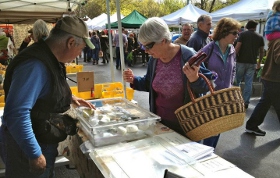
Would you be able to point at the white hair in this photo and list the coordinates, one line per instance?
(154, 30)
(40, 30)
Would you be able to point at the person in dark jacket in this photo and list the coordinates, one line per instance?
(97, 47)
(104, 41)
(39, 31)
(249, 47)
(130, 49)
(26, 40)
(270, 78)
(200, 37)
(36, 89)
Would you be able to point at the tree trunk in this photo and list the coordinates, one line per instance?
(212, 5)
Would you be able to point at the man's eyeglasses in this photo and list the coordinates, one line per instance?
(234, 33)
(149, 46)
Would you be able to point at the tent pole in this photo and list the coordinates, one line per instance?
(121, 43)
(110, 42)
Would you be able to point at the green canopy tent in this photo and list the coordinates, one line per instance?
(133, 20)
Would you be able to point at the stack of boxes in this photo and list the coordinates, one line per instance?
(73, 68)
(2, 98)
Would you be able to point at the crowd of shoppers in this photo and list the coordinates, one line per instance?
(224, 60)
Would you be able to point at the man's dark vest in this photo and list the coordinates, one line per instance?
(58, 100)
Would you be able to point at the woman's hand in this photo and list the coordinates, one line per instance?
(27, 39)
(81, 102)
(128, 76)
(191, 72)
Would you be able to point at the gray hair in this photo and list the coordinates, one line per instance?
(202, 18)
(154, 30)
(187, 24)
(60, 37)
(40, 30)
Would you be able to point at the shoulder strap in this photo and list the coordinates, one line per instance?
(208, 56)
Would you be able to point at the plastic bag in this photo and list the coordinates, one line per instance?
(100, 54)
(129, 56)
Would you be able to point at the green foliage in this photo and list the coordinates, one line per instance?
(222, 4)
(214, 4)
(169, 6)
(149, 8)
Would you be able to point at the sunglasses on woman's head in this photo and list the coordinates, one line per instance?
(149, 46)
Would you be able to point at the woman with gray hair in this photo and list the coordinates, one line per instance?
(40, 30)
(167, 73)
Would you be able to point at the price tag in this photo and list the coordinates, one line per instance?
(85, 81)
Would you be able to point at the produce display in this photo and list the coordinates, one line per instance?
(116, 120)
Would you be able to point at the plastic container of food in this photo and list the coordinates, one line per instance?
(116, 120)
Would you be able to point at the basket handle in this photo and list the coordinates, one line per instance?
(211, 89)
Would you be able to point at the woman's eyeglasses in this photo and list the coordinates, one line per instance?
(234, 33)
(149, 46)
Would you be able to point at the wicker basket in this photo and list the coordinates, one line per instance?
(213, 113)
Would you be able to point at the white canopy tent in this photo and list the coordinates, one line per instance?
(102, 24)
(96, 20)
(188, 14)
(28, 11)
(244, 10)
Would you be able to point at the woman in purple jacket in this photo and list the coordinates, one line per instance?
(221, 58)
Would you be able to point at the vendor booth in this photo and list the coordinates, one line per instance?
(102, 24)
(244, 10)
(133, 20)
(188, 14)
(25, 12)
(101, 18)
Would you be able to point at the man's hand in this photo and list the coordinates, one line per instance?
(37, 166)
(81, 102)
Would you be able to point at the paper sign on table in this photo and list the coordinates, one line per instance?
(85, 81)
